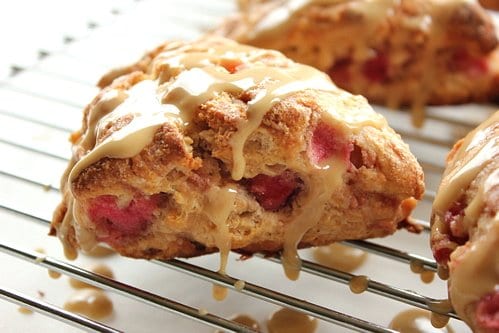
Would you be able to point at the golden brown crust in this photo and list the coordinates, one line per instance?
(141, 66)
(182, 164)
(402, 53)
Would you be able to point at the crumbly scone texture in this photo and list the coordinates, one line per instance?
(173, 175)
(410, 52)
(465, 237)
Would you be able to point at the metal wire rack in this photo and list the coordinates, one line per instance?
(40, 105)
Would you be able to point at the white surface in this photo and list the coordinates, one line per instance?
(38, 106)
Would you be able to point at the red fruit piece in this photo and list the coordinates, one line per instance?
(131, 219)
(454, 220)
(327, 142)
(487, 311)
(273, 192)
(462, 61)
(442, 252)
(453, 235)
(376, 68)
(340, 72)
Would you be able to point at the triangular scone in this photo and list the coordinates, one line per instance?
(214, 145)
(465, 227)
(409, 52)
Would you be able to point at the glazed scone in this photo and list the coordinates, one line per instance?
(465, 227)
(397, 53)
(212, 145)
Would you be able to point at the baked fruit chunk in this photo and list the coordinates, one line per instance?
(397, 53)
(212, 145)
(465, 227)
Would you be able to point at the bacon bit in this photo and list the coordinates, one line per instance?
(376, 69)
(105, 212)
(487, 311)
(473, 66)
(340, 72)
(327, 142)
(273, 192)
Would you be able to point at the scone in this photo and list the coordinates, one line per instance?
(212, 145)
(465, 226)
(397, 53)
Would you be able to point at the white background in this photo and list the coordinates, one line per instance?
(39, 105)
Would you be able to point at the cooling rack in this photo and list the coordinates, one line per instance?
(40, 104)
